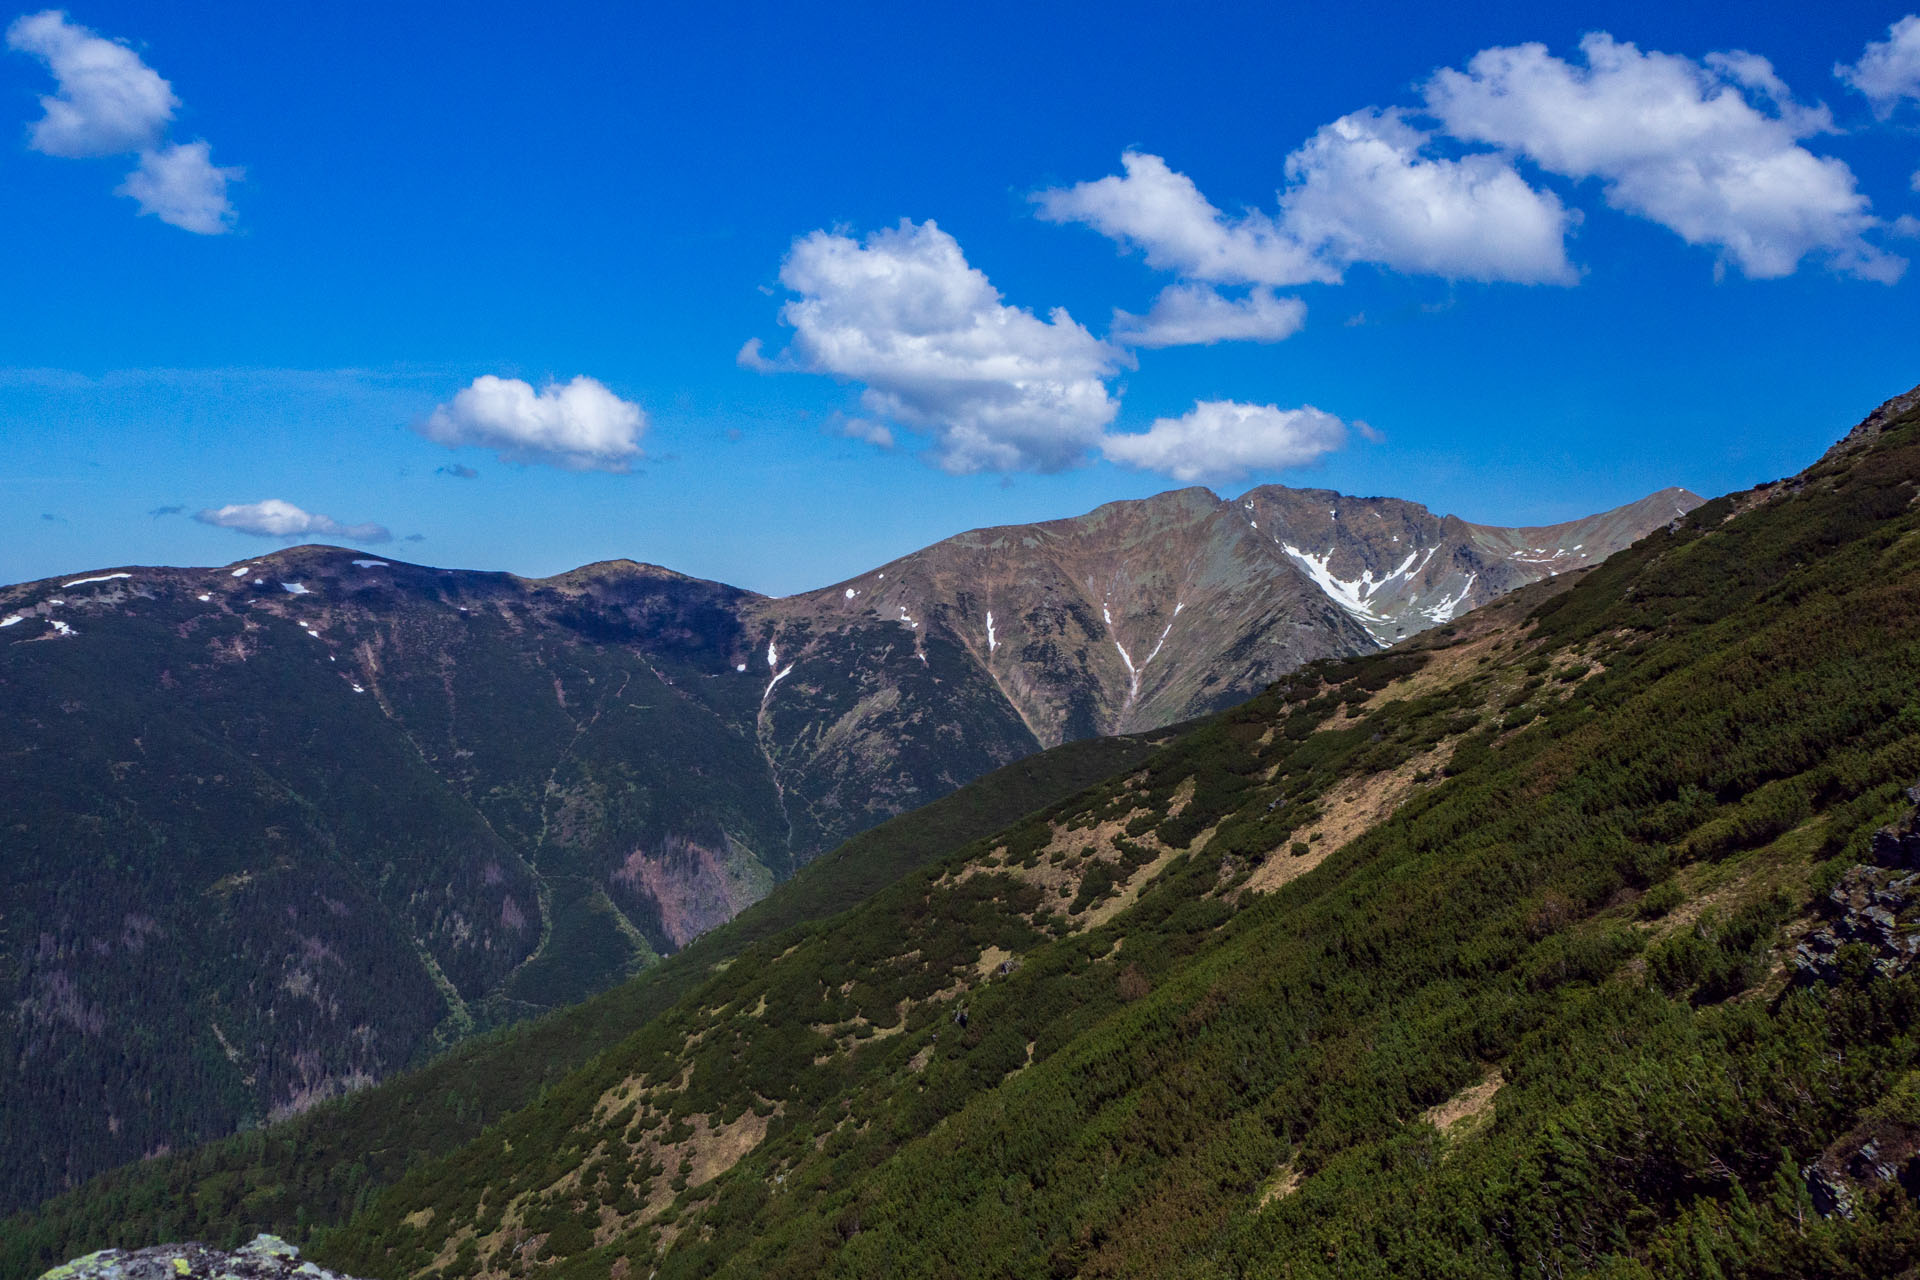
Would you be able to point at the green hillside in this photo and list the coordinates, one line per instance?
(317, 1167)
(1221, 1018)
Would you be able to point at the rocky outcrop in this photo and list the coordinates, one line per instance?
(1869, 428)
(264, 1258)
(1875, 906)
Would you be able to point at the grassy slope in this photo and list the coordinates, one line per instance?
(313, 1170)
(1607, 815)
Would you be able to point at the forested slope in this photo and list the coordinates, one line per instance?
(314, 1169)
(1469, 959)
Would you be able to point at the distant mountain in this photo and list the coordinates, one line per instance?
(274, 830)
(1143, 614)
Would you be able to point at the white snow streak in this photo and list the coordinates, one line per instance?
(9, 620)
(105, 577)
(1444, 611)
(1354, 596)
(992, 643)
(778, 676)
(371, 564)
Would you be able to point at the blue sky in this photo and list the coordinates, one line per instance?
(772, 297)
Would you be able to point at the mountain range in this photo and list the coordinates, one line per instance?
(278, 829)
(1576, 937)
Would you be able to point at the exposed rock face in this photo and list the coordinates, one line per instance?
(1875, 906)
(264, 1258)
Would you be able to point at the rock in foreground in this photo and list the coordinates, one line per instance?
(265, 1258)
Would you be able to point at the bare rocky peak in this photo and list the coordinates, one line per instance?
(1144, 613)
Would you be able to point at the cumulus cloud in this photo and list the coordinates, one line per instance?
(937, 351)
(181, 186)
(1162, 213)
(274, 518)
(108, 102)
(578, 426)
(1888, 70)
(1362, 189)
(1224, 439)
(1707, 149)
(1198, 315)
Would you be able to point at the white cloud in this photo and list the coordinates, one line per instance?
(181, 186)
(937, 351)
(1196, 314)
(274, 518)
(1889, 69)
(107, 101)
(1707, 149)
(1361, 190)
(579, 426)
(1223, 439)
(1162, 213)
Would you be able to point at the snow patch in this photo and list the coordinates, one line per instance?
(358, 689)
(242, 571)
(851, 593)
(773, 655)
(295, 588)
(371, 564)
(60, 627)
(9, 620)
(778, 676)
(203, 599)
(741, 667)
(992, 643)
(1444, 611)
(105, 577)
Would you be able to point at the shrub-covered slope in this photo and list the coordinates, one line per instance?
(315, 1168)
(1473, 958)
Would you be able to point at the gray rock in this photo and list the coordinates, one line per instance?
(264, 1258)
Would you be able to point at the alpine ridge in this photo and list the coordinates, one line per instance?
(279, 828)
